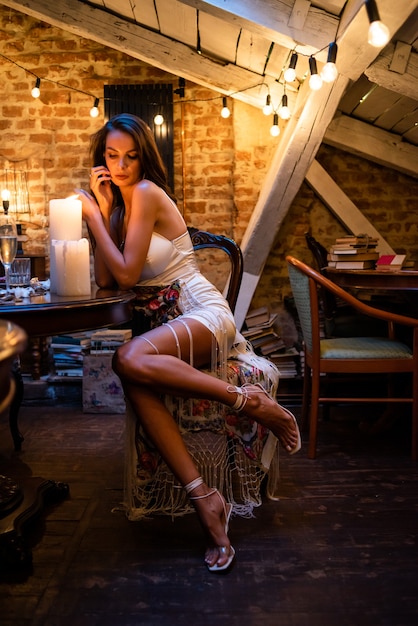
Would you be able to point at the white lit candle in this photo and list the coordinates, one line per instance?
(70, 267)
(65, 221)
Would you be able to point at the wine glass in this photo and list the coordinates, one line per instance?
(8, 245)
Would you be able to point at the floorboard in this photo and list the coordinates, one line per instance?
(338, 547)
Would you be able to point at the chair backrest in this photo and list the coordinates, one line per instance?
(320, 254)
(307, 307)
(202, 239)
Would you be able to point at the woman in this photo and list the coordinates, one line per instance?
(140, 238)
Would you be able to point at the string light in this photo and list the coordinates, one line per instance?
(290, 73)
(36, 92)
(94, 111)
(284, 111)
(379, 34)
(225, 113)
(315, 81)
(329, 72)
(267, 108)
(5, 196)
(158, 119)
(275, 130)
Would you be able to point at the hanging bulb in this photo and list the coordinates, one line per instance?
(329, 72)
(315, 81)
(267, 108)
(290, 73)
(158, 119)
(379, 34)
(36, 92)
(225, 111)
(94, 111)
(275, 130)
(284, 111)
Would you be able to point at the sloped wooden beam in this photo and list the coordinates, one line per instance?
(146, 45)
(342, 207)
(374, 144)
(405, 83)
(311, 28)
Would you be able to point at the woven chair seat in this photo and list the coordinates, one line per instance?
(363, 348)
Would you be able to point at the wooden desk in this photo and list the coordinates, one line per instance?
(50, 314)
(404, 280)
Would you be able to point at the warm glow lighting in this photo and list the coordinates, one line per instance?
(275, 130)
(329, 72)
(284, 111)
(290, 73)
(158, 119)
(94, 111)
(379, 34)
(36, 92)
(315, 81)
(225, 113)
(5, 195)
(267, 108)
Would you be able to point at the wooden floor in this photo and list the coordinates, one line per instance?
(338, 548)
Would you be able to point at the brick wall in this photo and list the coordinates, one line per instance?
(219, 164)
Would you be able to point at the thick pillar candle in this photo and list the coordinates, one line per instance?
(70, 267)
(65, 221)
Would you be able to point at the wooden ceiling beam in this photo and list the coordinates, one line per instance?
(310, 28)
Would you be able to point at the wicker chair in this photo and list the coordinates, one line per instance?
(350, 355)
(232, 453)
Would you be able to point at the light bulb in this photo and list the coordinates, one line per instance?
(5, 195)
(158, 119)
(290, 73)
(315, 81)
(225, 113)
(94, 111)
(379, 34)
(275, 130)
(329, 72)
(267, 108)
(284, 111)
(36, 92)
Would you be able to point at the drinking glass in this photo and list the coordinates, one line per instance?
(8, 244)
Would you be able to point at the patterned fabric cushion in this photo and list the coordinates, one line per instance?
(363, 348)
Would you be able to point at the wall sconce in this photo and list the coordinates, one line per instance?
(378, 32)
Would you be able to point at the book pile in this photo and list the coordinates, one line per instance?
(108, 340)
(390, 262)
(357, 252)
(260, 332)
(67, 353)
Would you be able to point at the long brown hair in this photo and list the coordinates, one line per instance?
(150, 159)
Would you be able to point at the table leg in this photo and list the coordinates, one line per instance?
(15, 406)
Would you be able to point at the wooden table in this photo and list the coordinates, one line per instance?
(404, 280)
(49, 314)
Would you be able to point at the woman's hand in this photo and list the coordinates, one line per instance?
(90, 207)
(100, 185)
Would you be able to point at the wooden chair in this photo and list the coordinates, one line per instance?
(352, 355)
(235, 460)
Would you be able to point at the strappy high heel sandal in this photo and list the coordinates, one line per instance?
(227, 508)
(243, 397)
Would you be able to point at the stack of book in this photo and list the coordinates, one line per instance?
(390, 262)
(108, 340)
(260, 332)
(68, 352)
(357, 252)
